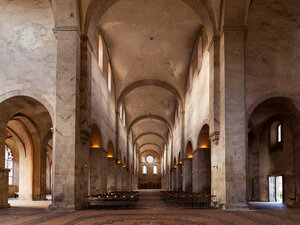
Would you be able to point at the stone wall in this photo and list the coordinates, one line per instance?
(28, 48)
(272, 50)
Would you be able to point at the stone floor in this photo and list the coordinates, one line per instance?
(150, 209)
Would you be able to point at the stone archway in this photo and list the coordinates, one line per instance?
(25, 126)
(279, 159)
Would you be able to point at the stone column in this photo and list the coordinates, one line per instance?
(69, 171)
(166, 181)
(119, 175)
(297, 159)
(214, 90)
(95, 171)
(179, 177)
(187, 181)
(4, 188)
(103, 167)
(232, 119)
(111, 171)
(134, 181)
(3, 173)
(201, 171)
(124, 178)
(174, 179)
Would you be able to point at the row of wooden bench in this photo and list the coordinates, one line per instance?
(113, 199)
(188, 199)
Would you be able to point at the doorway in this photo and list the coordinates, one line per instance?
(275, 189)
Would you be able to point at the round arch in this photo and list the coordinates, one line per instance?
(150, 82)
(31, 94)
(203, 138)
(96, 137)
(293, 98)
(149, 116)
(189, 150)
(279, 156)
(149, 133)
(110, 150)
(26, 122)
(149, 144)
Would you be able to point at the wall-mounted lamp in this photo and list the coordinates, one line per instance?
(95, 146)
(110, 156)
(180, 162)
(119, 162)
(190, 156)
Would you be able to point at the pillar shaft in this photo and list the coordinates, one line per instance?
(119, 175)
(201, 171)
(179, 177)
(111, 171)
(187, 175)
(233, 117)
(68, 178)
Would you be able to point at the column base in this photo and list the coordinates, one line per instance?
(5, 206)
(236, 207)
(296, 205)
(60, 208)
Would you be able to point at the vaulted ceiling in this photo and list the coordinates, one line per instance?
(150, 43)
(150, 40)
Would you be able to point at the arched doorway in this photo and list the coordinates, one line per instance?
(202, 163)
(97, 163)
(26, 148)
(273, 152)
(187, 169)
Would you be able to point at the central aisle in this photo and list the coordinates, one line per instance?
(151, 199)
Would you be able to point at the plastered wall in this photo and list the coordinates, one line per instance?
(28, 48)
(272, 45)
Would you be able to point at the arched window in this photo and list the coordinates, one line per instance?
(200, 52)
(9, 164)
(155, 170)
(100, 53)
(276, 138)
(121, 111)
(175, 119)
(124, 120)
(279, 138)
(109, 77)
(190, 80)
(144, 170)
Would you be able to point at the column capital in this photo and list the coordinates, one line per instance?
(214, 137)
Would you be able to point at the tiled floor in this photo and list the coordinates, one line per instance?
(150, 209)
